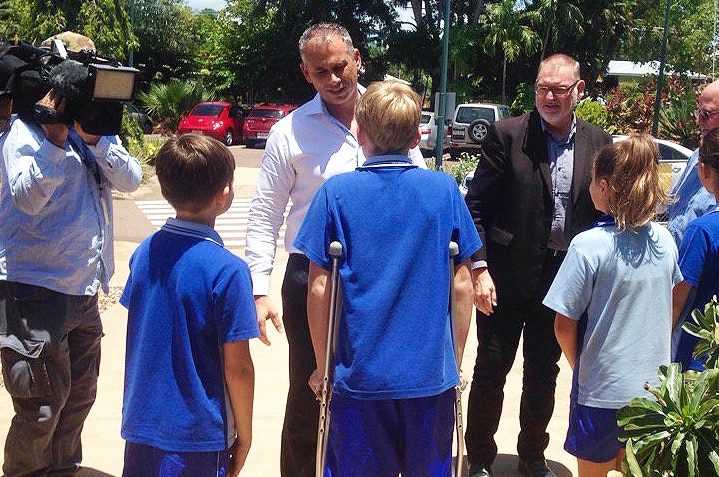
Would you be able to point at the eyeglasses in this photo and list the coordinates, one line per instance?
(704, 115)
(558, 91)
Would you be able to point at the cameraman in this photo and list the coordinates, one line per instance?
(56, 250)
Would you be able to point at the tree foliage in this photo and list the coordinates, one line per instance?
(169, 39)
(691, 29)
(106, 22)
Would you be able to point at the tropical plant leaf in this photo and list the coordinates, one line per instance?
(705, 381)
(676, 395)
(690, 446)
(630, 459)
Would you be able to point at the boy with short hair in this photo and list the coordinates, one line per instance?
(395, 370)
(189, 377)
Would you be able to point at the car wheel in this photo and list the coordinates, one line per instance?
(227, 139)
(478, 130)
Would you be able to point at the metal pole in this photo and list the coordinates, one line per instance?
(131, 53)
(660, 78)
(442, 89)
(323, 426)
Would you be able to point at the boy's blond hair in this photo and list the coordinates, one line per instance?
(631, 169)
(389, 113)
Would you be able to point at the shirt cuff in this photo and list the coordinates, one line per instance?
(260, 285)
(479, 264)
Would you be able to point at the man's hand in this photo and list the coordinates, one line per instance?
(316, 382)
(485, 296)
(90, 139)
(266, 310)
(56, 133)
(238, 456)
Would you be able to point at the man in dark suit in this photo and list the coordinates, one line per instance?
(529, 197)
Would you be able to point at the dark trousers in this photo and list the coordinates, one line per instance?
(50, 350)
(299, 431)
(498, 337)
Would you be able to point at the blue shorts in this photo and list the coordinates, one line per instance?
(387, 437)
(593, 433)
(147, 461)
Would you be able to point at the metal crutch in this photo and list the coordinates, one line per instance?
(459, 421)
(332, 326)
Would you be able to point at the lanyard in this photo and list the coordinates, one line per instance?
(85, 154)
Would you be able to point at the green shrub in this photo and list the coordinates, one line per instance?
(467, 163)
(595, 113)
(170, 102)
(677, 435)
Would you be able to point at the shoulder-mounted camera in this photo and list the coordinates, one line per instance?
(94, 86)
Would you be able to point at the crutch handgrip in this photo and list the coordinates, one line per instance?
(335, 306)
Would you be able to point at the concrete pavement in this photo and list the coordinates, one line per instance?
(103, 446)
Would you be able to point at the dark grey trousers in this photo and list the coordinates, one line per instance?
(50, 350)
(299, 430)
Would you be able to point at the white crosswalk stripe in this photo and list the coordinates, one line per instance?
(232, 225)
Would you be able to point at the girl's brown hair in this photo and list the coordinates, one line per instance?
(631, 169)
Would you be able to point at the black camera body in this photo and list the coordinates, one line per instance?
(94, 87)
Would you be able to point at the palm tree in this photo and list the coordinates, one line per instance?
(169, 102)
(558, 19)
(503, 28)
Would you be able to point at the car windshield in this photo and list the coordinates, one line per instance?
(266, 113)
(426, 118)
(467, 115)
(207, 110)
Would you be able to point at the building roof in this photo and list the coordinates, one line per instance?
(629, 69)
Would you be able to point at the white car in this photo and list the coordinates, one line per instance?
(428, 133)
(672, 161)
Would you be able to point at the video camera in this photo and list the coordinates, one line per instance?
(94, 86)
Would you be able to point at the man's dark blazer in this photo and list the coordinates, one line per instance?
(511, 202)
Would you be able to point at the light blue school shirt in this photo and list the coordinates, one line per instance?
(56, 220)
(623, 282)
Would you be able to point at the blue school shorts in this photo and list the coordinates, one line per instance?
(593, 433)
(147, 461)
(383, 438)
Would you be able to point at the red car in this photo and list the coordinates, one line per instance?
(260, 120)
(218, 119)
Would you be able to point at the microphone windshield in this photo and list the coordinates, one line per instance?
(69, 78)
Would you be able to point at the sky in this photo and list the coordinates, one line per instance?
(201, 4)
(197, 5)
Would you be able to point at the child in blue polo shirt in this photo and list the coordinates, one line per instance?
(699, 256)
(189, 378)
(395, 372)
(613, 298)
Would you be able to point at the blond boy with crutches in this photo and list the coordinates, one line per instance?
(395, 371)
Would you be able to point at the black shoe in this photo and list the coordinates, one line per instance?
(535, 468)
(479, 470)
